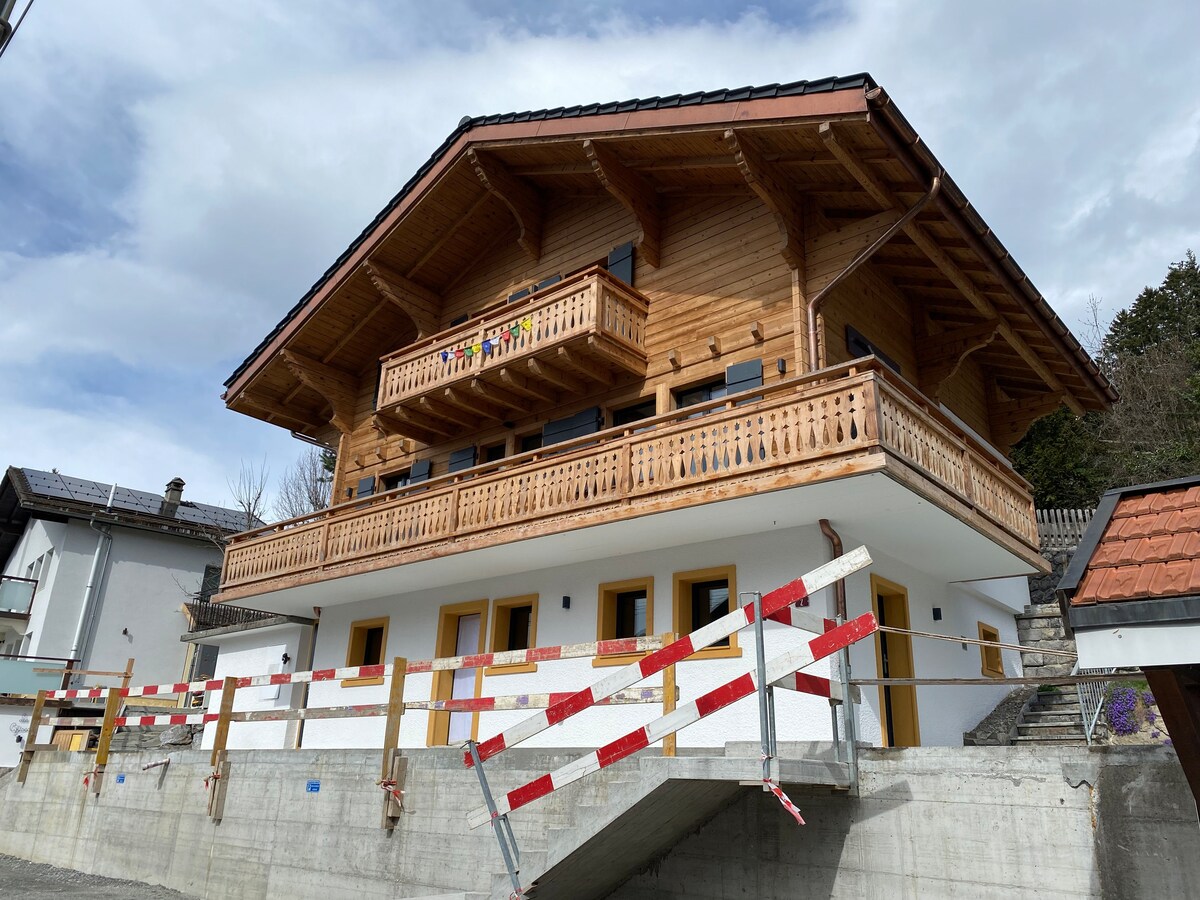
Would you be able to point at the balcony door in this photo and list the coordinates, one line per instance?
(460, 633)
(898, 719)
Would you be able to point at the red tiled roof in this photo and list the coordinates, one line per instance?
(1149, 549)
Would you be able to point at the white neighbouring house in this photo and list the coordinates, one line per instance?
(595, 372)
(93, 575)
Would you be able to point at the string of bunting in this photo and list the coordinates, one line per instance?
(489, 344)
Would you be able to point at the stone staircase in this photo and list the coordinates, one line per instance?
(1052, 717)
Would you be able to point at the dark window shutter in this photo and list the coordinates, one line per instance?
(462, 459)
(743, 376)
(553, 279)
(204, 662)
(419, 471)
(518, 295)
(366, 486)
(860, 345)
(587, 422)
(210, 583)
(620, 263)
(459, 320)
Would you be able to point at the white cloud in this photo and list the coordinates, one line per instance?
(235, 149)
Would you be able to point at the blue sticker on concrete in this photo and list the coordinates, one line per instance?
(121, 778)
(313, 786)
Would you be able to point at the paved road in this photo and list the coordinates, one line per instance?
(32, 881)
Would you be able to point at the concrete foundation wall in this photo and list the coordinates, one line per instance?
(931, 822)
(976, 822)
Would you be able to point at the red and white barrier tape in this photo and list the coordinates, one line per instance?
(742, 686)
(785, 800)
(444, 664)
(714, 631)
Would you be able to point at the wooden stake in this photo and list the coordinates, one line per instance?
(395, 710)
(112, 704)
(35, 723)
(670, 696)
(128, 674)
(228, 687)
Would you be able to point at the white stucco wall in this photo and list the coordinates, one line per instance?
(145, 581)
(763, 562)
(1168, 644)
(259, 652)
(14, 723)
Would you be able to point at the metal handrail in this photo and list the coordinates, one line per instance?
(1091, 697)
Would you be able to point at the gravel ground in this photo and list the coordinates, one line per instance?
(34, 881)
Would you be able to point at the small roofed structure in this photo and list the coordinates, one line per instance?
(1132, 598)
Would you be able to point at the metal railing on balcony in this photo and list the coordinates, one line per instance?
(207, 616)
(16, 595)
(764, 438)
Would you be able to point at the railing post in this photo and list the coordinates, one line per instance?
(670, 697)
(392, 773)
(968, 477)
(221, 736)
(112, 703)
(35, 724)
(128, 674)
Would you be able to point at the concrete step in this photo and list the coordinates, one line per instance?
(1051, 718)
(1064, 740)
(1060, 706)
(1043, 730)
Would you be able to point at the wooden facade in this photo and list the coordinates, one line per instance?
(589, 278)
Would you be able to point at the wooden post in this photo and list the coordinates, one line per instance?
(112, 703)
(35, 723)
(128, 674)
(221, 737)
(670, 696)
(394, 765)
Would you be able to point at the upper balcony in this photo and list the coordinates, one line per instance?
(585, 330)
(853, 443)
(16, 596)
(26, 675)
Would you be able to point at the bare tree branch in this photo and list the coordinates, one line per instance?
(249, 492)
(305, 487)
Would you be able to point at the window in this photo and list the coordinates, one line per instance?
(492, 452)
(992, 664)
(394, 480)
(642, 409)
(514, 627)
(700, 393)
(701, 597)
(625, 609)
(367, 644)
(529, 442)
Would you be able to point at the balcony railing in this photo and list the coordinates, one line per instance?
(30, 674)
(207, 616)
(587, 328)
(16, 595)
(762, 439)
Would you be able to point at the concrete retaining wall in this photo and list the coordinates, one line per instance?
(963, 822)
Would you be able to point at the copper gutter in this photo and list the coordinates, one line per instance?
(814, 305)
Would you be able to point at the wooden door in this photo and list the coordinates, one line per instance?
(898, 718)
(461, 630)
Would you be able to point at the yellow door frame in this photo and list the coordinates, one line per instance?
(443, 682)
(897, 703)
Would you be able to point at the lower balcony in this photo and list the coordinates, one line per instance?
(26, 675)
(852, 443)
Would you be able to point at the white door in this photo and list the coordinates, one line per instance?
(464, 679)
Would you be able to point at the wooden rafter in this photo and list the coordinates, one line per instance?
(422, 305)
(391, 426)
(827, 254)
(518, 195)
(635, 193)
(884, 196)
(939, 356)
(446, 235)
(337, 387)
(774, 194)
(274, 411)
(350, 335)
(1010, 419)
(556, 377)
(518, 383)
(473, 403)
(434, 426)
(492, 394)
(591, 369)
(440, 410)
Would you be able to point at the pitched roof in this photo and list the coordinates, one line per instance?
(1144, 543)
(862, 81)
(24, 491)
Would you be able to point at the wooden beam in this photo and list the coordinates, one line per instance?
(358, 326)
(473, 404)
(635, 193)
(557, 377)
(390, 426)
(567, 359)
(273, 410)
(493, 394)
(339, 388)
(522, 385)
(773, 193)
(518, 195)
(939, 356)
(446, 413)
(1010, 419)
(448, 233)
(411, 423)
(826, 255)
(916, 232)
(422, 305)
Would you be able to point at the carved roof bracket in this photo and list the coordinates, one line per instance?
(939, 356)
(635, 193)
(1010, 419)
(338, 388)
(775, 195)
(518, 195)
(421, 305)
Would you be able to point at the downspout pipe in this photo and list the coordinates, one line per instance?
(849, 713)
(814, 305)
(99, 560)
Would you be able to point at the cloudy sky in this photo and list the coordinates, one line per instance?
(174, 176)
